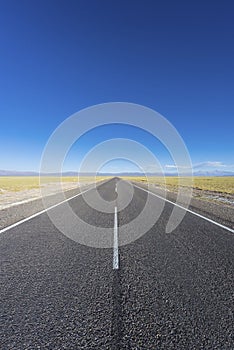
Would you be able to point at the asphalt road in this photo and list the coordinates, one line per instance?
(171, 291)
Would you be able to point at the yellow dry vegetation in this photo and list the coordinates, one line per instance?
(219, 184)
(223, 184)
(21, 183)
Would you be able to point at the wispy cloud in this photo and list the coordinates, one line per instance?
(172, 166)
(209, 164)
(202, 165)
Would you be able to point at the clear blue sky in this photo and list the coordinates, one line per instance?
(58, 57)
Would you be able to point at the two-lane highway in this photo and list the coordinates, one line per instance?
(166, 291)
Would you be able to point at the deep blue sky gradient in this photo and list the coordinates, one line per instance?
(58, 57)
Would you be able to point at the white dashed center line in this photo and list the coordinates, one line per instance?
(115, 245)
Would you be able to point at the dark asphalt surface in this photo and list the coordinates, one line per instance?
(172, 291)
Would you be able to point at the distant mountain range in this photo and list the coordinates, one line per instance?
(73, 173)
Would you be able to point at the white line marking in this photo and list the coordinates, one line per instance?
(116, 188)
(115, 245)
(190, 211)
(41, 212)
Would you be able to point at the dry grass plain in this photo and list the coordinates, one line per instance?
(22, 183)
(222, 184)
(18, 189)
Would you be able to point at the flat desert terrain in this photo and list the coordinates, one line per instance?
(16, 190)
(215, 189)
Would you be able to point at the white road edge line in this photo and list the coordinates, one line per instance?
(115, 245)
(41, 212)
(190, 211)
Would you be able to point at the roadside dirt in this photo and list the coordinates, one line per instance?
(218, 207)
(9, 198)
(212, 196)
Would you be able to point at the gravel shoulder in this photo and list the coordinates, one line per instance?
(218, 211)
(16, 212)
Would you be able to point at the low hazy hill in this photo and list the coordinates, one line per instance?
(73, 173)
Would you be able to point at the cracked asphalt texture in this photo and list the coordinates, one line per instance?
(172, 291)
